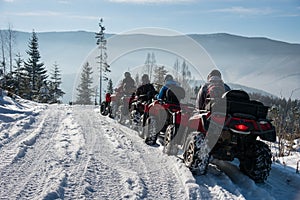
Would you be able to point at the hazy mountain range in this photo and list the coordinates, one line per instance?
(261, 63)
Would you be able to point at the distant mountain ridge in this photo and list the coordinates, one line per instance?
(255, 62)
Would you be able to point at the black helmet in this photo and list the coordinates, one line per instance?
(127, 74)
(214, 72)
(168, 77)
(145, 78)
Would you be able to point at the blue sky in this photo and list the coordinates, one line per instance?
(275, 19)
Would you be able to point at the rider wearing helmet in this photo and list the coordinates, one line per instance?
(214, 79)
(146, 87)
(170, 83)
(127, 85)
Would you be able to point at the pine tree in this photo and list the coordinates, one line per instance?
(2, 63)
(110, 88)
(44, 92)
(150, 64)
(85, 91)
(34, 68)
(185, 72)
(104, 67)
(137, 79)
(159, 76)
(21, 78)
(176, 68)
(54, 85)
(11, 36)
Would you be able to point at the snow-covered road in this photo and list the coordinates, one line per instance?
(72, 152)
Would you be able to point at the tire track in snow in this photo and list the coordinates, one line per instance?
(154, 169)
(217, 185)
(122, 166)
(278, 182)
(246, 186)
(161, 171)
(26, 176)
(207, 188)
(10, 143)
(82, 176)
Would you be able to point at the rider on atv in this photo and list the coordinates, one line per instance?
(160, 111)
(214, 88)
(144, 88)
(169, 83)
(126, 88)
(143, 94)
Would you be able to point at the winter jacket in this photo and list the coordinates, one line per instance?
(202, 94)
(144, 89)
(163, 90)
(126, 86)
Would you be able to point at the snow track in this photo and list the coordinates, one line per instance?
(28, 173)
(72, 152)
(121, 166)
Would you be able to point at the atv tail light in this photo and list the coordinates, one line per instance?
(241, 127)
(265, 125)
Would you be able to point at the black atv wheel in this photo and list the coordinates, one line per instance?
(103, 109)
(120, 115)
(135, 120)
(150, 131)
(113, 110)
(257, 162)
(193, 156)
(170, 147)
(141, 130)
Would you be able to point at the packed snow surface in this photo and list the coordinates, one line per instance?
(72, 152)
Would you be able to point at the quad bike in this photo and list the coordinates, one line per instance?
(114, 104)
(179, 123)
(105, 107)
(157, 115)
(137, 107)
(122, 111)
(228, 130)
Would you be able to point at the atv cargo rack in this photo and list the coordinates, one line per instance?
(238, 102)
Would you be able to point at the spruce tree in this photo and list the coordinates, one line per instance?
(84, 89)
(21, 79)
(104, 66)
(35, 69)
(54, 85)
(110, 88)
(159, 76)
(150, 64)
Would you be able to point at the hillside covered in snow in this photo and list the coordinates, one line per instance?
(73, 152)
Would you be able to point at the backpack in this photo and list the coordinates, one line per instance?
(215, 90)
(174, 94)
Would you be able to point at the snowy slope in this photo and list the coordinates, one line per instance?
(72, 152)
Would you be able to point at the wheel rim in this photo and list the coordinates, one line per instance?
(120, 115)
(190, 153)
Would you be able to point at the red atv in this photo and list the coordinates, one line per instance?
(157, 115)
(137, 108)
(105, 107)
(228, 130)
(123, 109)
